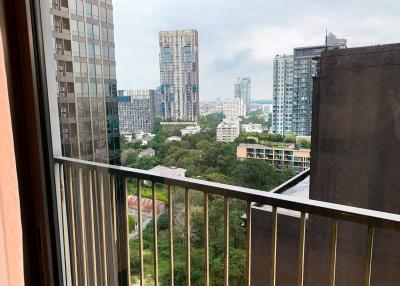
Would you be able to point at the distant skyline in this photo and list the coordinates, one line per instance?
(240, 38)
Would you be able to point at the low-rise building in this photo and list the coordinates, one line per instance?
(146, 204)
(252, 127)
(169, 171)
(127, 135)
(190, 130)
(174, 138)
(144, 137)
(281, 156)
(228, 130)
(149, 152)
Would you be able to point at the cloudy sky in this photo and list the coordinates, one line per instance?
(241, 37)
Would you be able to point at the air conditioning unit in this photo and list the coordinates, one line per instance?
(65, 131)
(62, 89)
(63, 109)
(65, 136)
(59, 46)
(60, 68)
(64, 115)
(60, 74)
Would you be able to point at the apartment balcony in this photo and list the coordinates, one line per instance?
(92, 202)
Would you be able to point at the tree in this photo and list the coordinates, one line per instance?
(303, 143)
(128, 157)
(131, 222)
(290, 138)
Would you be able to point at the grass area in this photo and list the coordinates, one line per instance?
(146, 191)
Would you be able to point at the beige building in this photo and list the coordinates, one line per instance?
(228, 130)
(233, 108)
(281, 157)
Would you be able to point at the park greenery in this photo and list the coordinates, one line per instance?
(205, 159)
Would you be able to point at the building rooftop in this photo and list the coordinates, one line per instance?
(169, 171)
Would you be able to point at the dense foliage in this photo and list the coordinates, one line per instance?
(203, 158)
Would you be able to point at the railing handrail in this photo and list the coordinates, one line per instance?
(331, 210)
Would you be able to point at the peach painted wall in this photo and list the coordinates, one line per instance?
(11, 255)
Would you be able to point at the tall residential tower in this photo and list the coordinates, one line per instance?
(282, 95)
(179, 75)
(305, 68)
(93, 225)
(243, 92)
(83, 39)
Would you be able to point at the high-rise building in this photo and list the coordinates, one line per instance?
(83, 35)
(84, 70)
(179, 75)
(233, 108)
(282, 95)
(136, 110)
(243, 92)
(305, 68)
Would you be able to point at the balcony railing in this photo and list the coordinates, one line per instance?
(90, 244)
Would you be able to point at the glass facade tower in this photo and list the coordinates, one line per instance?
(243, 92)
(305, 68)
(282, 95)
(179, 75)
(84, 50)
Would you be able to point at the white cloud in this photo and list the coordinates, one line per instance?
(240, 38)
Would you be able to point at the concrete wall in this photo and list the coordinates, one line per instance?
(355, 158)
(356, 152)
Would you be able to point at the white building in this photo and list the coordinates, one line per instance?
(266, 108)
(233, 108)
(142, 136)
(128, 136)
(169, 171)
(174, 138)
(190, 130)
(228, 130)
(252, 127)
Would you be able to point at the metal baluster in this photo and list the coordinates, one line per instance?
(139, 203)
(370, 247)
(114, 208)
(274, 237)
(334, 232)
(128, 255)
(187, 225)
(155, 240)
(206, 244)
(72, 210)
(226, 241)
(92, 228)
(171, 236)
(103, 227)
(248, 227)
(64, 221)
(302, 240)
(83, 227)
